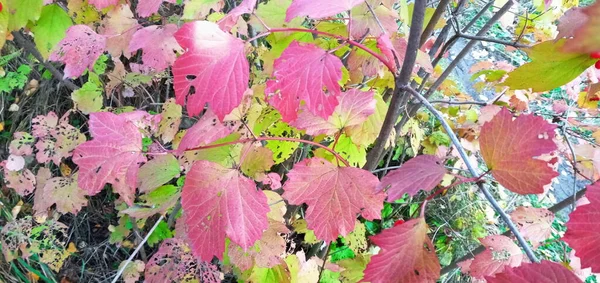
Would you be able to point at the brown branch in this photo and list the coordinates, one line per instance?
(435, 18)
(399, 97)
(493, 40)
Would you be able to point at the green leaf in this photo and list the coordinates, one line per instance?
(157, 172)
(88, 98)
(23, 11)
(4, 20)
(50, 28)
(549, 67)
(161, 232)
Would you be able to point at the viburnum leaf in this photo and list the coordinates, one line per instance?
(334, 196)
(422, 172)
(363, 22)
(535, 224)
(257, 161)
(146, 8)
(366, 133)
(174, 262)
(82, 12)
(157, 172)
(570, 21)
(118, 26)
(509, 146)
(199, 9)
(62, 191)
(4, 20)
(500, 251)
(582, 230)
(79, 50)
(543, 272)
(207, 130)
(586, 39)
(220, 202)
(112, 156)
(21, 144)
(246, 7)
(158, 200)
(101, 4)
(22, 11)
(14, 163)
(353, 109)
(266, 252)
(353, 268)
(50, 28)
(550, 67)
(305, 72)
(213, 70)
(23, 182)
(319, 9)
(44, 125)
(133, 270)
(170, 120)
(158, 46)
(407, 255)
(88, 98)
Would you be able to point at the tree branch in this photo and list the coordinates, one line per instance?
(399, 97)
(493, 40)
(435, 18)
(474, 173)
(30, 47)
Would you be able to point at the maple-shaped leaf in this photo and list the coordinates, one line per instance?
(407, 255)
(44, 125)
(319, 9)
(101, 4)
(256, 161)
(353, 109)
(23, 181)
(207, 130)
(583, 233)
(543, 272)
(174, 262)
(550, 67)
(570, 21)
(586, 39)
(267, 252)
(158, 46)
(199, 9)
(509, 146)
(363, 22)
(62, 191)
(335, 196)
(500, 251)
(305, 72)
(118, 26)
(246, 7)
(220, 202)
(21, 144)
(423, 172)
(535, 224)
(79, 50)
(146, 8)
(50, 28)
(157, 172)
(170, 120)
(112, 156)
(213, 70)
(21, 12)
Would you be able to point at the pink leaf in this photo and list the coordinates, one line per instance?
(543, 272)
(583, 230)
(14, 163)
(246, 7)
(220, 202)
(62, 191)
(42, 126)
(158, 46)
(207, 130)
(407, 255)
(423, 172)
(363, 22)
(500, 251)
(112, 156)
(21, 144)
(23, 182)
(213, 70)
(79, 50)
(146, 8)
(101, 4)
(319, 9)
(353, 109)
(305, 72)
(509, 148)
(118, 26)
(535, 224)
(570, 21)
(334, 196)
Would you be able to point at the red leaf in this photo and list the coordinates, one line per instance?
(334, 196)
(79, 50)
(246, 7)
(112, 156)
(423, 172)
(535, 224)
(509, 146)
(146, 8)
(586, 39)
(500, 251)
(305, 72)
(207, 130)
(101, 4)
(214, 65)
(220, 202)
(543, 272)
(570, 21)
(407, 255)
(158, 45)
(319, 9)
(353, 109)
(583, 230)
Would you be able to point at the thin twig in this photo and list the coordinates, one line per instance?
(482, 103)
(376, 18)
(493, 40)
(475, 173)
(437, 14)
(564, 133)
(137, 249)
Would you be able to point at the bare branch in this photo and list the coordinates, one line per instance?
(435, 18)
(493, 40)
